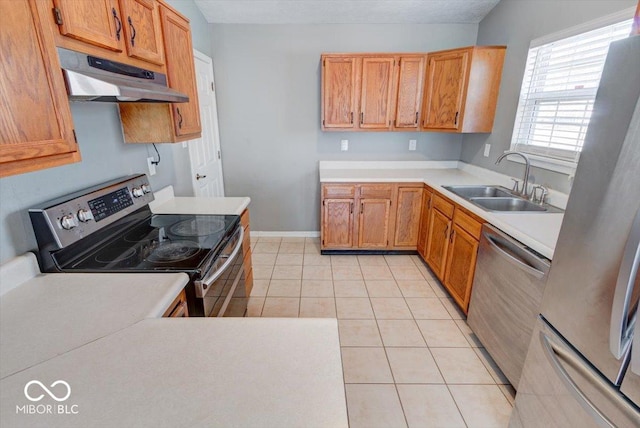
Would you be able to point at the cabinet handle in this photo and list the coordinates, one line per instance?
(453, 232)
(361, 207)
(455, 122)
(118, 22)
(133, 31)
(351, 205)
(446, 233)
(179, 117)
(352, 118)
(416, 122)
(361, 117)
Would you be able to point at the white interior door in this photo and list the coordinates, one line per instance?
(204, 152)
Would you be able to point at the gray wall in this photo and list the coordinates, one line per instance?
(268, 95)
(515, 23)
(104, 156)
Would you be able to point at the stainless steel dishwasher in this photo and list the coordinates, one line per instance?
(505, 298)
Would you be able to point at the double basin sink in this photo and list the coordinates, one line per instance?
(499, 199)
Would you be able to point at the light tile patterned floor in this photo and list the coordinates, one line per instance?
(408, 356)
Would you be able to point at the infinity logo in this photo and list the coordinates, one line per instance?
(51, 394)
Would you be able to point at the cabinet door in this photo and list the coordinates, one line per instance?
(408, 211)
(446, 80)
(373, 230)
(95, 22)
(143, 35)
(438, 243)
(181, 72)
(375, 96)
(410, 79)
(461, 264)
(337, 223)
(36, 130)
(424, 224)
(338, 92)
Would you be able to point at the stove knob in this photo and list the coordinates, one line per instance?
(146, 188)
(85, 215)
(68, 222)
(137, 192)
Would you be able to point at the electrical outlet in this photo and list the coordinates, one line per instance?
(487, 149)
(152, 167)
(412, 145)
(344, 145)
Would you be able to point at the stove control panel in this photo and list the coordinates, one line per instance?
(71, 218)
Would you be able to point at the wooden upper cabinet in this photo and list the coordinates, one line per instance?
(408, 211)
(409, 99)
(181, 71)
(338, 91)
(97, 22)
(461, 89)
(375, 96)
(36, 130)
(445, 85)
(142, 30)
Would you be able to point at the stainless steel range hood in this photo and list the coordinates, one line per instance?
(90, 78)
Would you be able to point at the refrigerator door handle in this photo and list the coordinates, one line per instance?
(621, 327)
(555, 353)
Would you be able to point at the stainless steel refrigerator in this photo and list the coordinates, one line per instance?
(583, 367)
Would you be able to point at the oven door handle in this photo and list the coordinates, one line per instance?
(213, 277)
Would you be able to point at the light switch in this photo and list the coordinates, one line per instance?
(344, 145)
(412, 145)
(487, 149)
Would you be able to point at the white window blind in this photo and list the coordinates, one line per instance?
(558, 89)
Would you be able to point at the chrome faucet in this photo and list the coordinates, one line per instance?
(527, 167)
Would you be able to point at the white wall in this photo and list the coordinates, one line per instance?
(515, 23)
(268, 94)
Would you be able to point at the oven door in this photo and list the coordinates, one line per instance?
(221, 290)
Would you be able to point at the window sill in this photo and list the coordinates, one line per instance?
(542, 162)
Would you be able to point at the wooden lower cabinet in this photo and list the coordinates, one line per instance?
(423, 235)
(368, 216)
(408, 211)
(438, 243)
(461, 264)
(337, 223)
(373, 231)
(178, 309)
(246, 253)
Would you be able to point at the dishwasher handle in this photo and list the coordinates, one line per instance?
(516, 255)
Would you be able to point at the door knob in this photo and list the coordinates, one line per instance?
(198, 176)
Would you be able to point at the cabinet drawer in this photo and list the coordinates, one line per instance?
(468, 223)
(345, 191)
(442, 205)
(376, 191)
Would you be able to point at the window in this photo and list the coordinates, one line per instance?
(558, 90)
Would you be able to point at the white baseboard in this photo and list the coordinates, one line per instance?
(301, 234)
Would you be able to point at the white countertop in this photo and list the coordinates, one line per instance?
(54, 313)
(242, 372)
(201, 206)
(538, 231)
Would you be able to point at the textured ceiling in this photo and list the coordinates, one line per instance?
(344, 11)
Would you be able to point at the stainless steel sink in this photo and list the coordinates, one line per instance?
(511, 204)
(469, 192)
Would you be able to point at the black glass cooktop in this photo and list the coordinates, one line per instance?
(162, 242)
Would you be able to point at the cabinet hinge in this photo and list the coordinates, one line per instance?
(323, 242)
(213, 89)
(74, 136)
(323, 203)
(322, 122)
(57, 15)
(324, 62)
